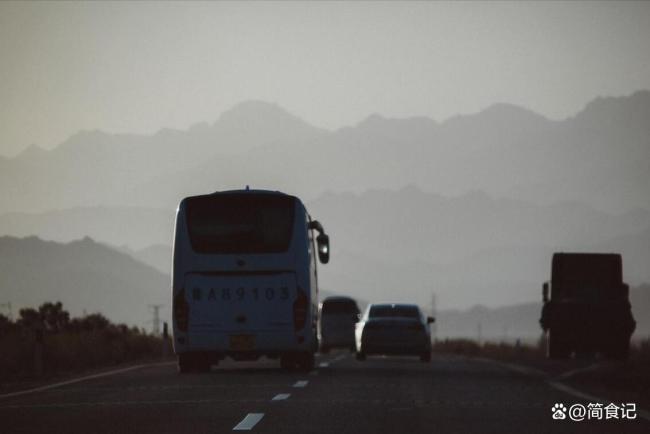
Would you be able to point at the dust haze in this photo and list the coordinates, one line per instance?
(449, 149)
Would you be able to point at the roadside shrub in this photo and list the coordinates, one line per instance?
(639, 350)
(68, 344)
(496, 350)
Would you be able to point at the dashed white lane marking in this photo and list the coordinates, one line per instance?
(314, 372)
(301, 383)
(248, 422)
(326, 364)
(281, 397)
(78, 380)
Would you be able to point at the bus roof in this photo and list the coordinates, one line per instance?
(241, 191)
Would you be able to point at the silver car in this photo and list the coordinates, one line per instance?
(393, 329)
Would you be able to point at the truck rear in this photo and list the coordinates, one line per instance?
(586, 306)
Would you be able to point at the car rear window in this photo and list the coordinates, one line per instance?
(394, 311)
(334, 307)
(240, 223)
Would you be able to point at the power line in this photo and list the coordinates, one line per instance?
(434, 314)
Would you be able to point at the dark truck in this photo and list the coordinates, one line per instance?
(586, 307)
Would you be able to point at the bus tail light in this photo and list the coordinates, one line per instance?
(181, 311)
(300, 309)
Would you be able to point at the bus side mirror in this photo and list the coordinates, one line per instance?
(545, 292)
(323, 242)
(430, 320)
(315, 224)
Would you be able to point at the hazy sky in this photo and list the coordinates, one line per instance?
(137, 67)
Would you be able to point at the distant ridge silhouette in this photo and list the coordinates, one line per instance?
(600, 156)
(472, 248)
(83, 275)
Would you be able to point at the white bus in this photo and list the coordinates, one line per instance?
(244, 279)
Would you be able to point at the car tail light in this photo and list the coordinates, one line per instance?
(300, 309)
(181, 310)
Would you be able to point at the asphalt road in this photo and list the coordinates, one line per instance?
(381, 395)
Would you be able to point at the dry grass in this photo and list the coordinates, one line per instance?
(639, 350)
(68, 345)
(66, 352)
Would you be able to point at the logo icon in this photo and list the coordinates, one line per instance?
(559, 411)
(593, 411)
(577, 412)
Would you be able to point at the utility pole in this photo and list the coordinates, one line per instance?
(479, 333)
(156, 317)
(434, 314)
(7, 306)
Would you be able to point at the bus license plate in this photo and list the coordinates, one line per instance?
(242, 342)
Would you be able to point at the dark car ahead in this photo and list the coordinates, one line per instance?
(393, 329)
(337, 319)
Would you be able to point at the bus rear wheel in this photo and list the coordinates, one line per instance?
(185, 363)
(202, 363)
(306, 361)
(287, 361)
(194, 362)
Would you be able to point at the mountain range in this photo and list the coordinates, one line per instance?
(87, 277)
(470, 209)
(601, 157)
(84, 275)
(401, 245)
(521, 321)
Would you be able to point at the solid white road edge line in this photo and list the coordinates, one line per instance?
(591, 398)
(80, 379)
(248, 422)
(643, 414)
(281, 397)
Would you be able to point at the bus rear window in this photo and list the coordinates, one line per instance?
(240, 223)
